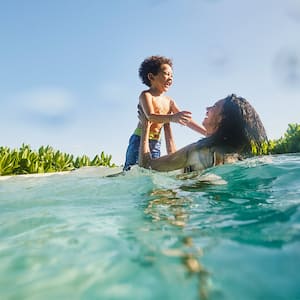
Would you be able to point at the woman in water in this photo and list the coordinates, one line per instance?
(233, 129)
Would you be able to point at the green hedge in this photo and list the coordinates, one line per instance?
(289, 143)
(45, 160)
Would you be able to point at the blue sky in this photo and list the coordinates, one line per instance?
(68, 69)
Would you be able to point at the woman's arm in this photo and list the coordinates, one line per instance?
(170, 144)
(197, 127)
(175, 161)
(144, 151)
(198, 157)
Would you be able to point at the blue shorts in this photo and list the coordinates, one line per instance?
(132, 153)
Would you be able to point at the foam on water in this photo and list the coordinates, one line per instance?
(232, 232)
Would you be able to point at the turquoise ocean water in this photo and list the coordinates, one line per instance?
(232, 232)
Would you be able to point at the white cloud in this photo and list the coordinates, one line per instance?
(112, 94)
(48, 102)
(43, 106)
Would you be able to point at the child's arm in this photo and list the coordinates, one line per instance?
(181, 117)
(191, 124)
(170, 144)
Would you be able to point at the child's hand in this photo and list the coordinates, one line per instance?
(182, 117)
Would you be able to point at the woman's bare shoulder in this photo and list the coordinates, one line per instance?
(199, 156)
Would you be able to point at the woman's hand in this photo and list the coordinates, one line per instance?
(144, 150)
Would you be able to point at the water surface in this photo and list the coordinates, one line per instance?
(232, 232)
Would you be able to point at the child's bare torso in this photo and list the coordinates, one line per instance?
(161, 106)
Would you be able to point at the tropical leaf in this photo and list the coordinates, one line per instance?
(26, 161)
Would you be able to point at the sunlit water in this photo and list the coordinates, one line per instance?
(231, 233)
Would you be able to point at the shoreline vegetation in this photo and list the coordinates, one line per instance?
(48, 160)
(288, 143)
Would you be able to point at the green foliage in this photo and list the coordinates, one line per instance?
(289, 143)
(45, 160)
(263, 149)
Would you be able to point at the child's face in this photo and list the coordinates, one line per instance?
(164, 78)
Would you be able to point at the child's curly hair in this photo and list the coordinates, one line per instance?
(152, 65)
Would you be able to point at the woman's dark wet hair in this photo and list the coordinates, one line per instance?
(240, 128)
(152, 65)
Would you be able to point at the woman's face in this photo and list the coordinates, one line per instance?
(213, 117)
